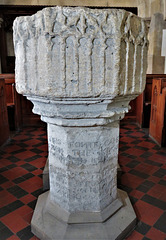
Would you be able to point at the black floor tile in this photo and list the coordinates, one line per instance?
(36, 150)
(146, 154)
(13, 159)
(128, 155)
(38, 145)
(162, 182)
(41, 176)
(13, 189)
(28, 167)
(124, 148)
(1, 225)
(161, 153)
(148, 183)
(160, 173)
(139, 174)
(15, 205)
(3, 179)
(153, 163)
(154, 201)
(156, 147)
(132, 164)
(19, 194)
(5, 233)
(25, 234)
(142, 148)
(30, 159)
(136, 142)
(143, 188)
(142, 228)
(11, 166)
(4, 211)
(37, 192)
(3, 169)
(18, 180)
(145, 238)
(28, 176)
(18, 151)
(125, 188)
(32, 204)
(133, 200)
(161, 223)
(22, 145)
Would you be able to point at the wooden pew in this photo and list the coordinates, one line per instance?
(19, 108)
(143, 102)
(13, 100)
(157, 128)
(4, 125)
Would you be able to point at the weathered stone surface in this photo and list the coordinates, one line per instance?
(80, 68)
(79, 52)
(84, 172)
(155, 60)
(46, 227)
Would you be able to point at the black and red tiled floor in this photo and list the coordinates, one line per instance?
(143, 166)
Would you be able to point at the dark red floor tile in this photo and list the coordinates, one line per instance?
(131, 180)
(14, 222)
(13, 237)
(37, 172)
(147, 213)
(40, 162)
(157, 190)
(135, 236)
(135, 152)
(7, 184)
(28, 217)
(34, 238)
(29, 186)
(13, 174)
(6, 198)
(157, 158)
(162, 197)
(137, 194)
(155, 234)
(22, 211)
(27, 199)
(154, 179)
(149, 145)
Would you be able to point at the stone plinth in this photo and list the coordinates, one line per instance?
(80, 68)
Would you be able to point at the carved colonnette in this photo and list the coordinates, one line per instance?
(72, 40)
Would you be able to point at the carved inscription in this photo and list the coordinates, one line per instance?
(84, 149)
(81, 152)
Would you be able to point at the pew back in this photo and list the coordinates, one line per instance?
(157, 118)
(4, 125)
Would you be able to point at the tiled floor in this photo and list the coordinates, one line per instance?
(144, 178)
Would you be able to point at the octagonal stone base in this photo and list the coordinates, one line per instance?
(118, 226)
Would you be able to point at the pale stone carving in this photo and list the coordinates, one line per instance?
(155, 60)
(81, 67)
(80, 53)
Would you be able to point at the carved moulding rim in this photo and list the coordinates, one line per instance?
(82, 100)
(81, 113)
